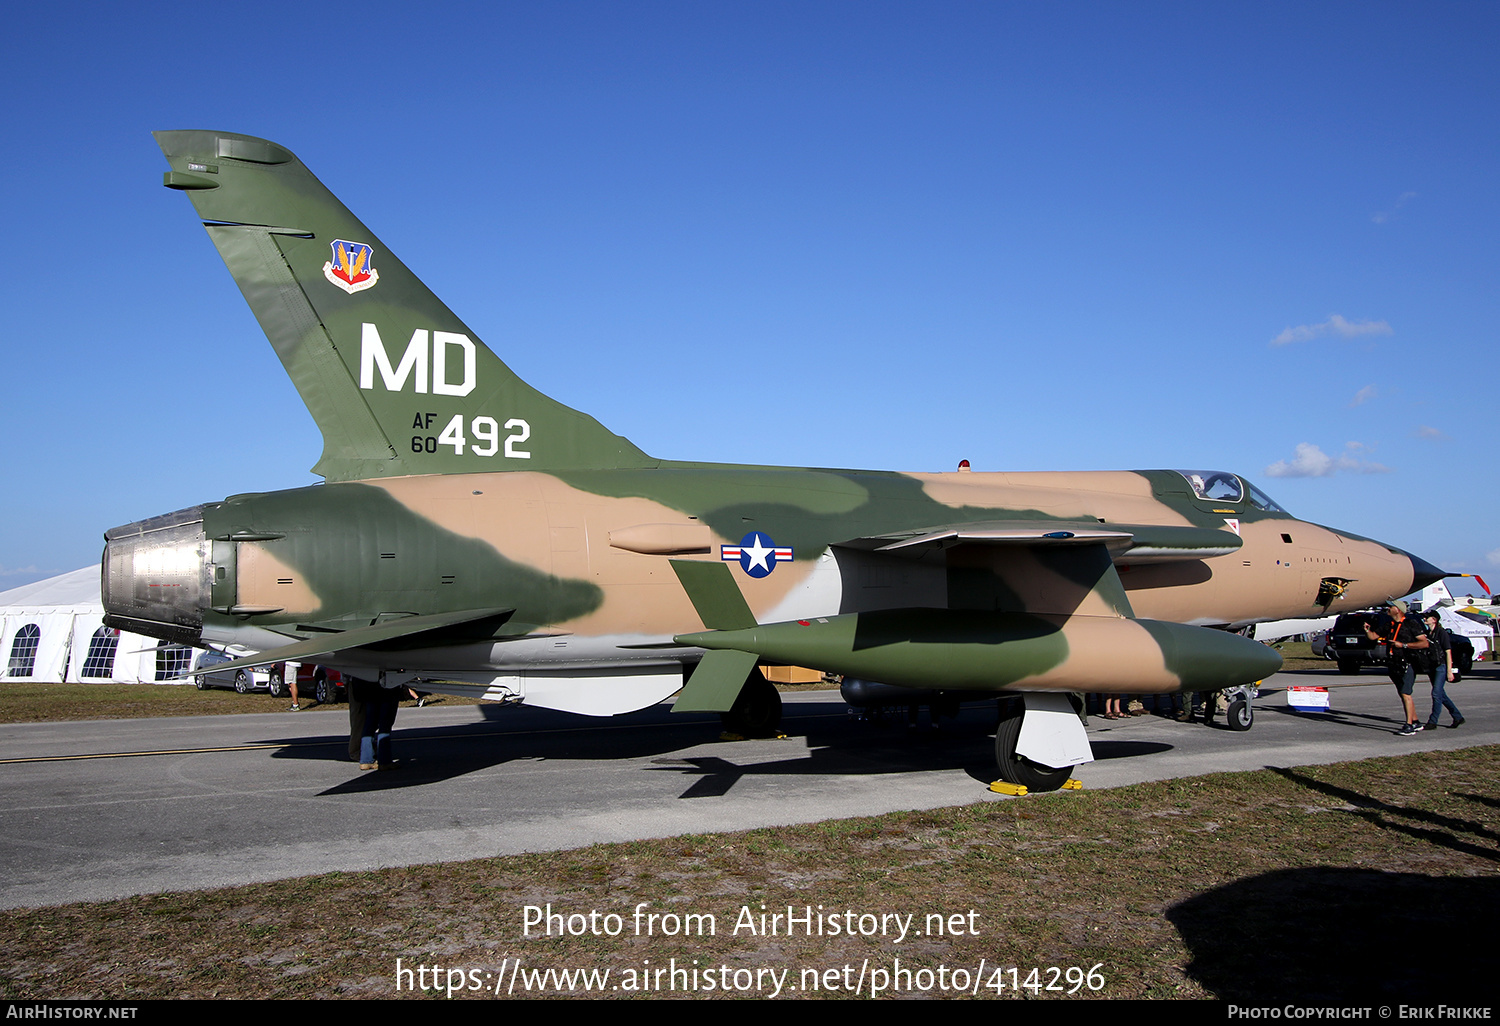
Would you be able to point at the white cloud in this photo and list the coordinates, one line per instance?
(1310, 461)
(1382, 216)
(1335, 325)
(12, 571)
(1426, 431)
(1494, 557)
(1364, 395)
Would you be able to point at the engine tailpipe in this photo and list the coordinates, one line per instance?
(154, 578)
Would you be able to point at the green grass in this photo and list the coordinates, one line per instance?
(1297, 655)
(25, 702)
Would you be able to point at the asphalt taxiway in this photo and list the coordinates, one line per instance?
(105, 809)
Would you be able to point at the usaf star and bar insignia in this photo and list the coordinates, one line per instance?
(756, 554)
(352, 267)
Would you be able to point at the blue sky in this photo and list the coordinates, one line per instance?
(1260, 238)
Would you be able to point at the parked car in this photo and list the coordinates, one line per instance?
(1463, 653)
(1347, 643)
(268, 678)
(326, 685)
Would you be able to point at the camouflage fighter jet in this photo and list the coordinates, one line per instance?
(474, 536)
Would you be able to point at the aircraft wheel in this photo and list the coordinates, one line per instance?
(242, 682)
(1240, 716)
(1348, 667)
(202, 684)
(757, 712)
(1017, 769)
(278, 686)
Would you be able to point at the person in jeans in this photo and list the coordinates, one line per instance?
(1440, 663)
(372, 716)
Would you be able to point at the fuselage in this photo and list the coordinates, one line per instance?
(582, 557)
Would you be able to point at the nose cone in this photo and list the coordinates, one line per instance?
(1423, 573)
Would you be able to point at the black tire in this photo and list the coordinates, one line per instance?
(242, 682)
(1463, 662)
(201, 681)
(757, 712)
(1017, 769)
(1240, 715)
(324, 690)
(278, 686)
(1348, 667)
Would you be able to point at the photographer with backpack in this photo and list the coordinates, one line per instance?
(1404, 641)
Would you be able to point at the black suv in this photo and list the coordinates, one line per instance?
(1350, 646)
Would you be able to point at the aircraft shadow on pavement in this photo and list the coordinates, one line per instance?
(890, 753)
(1127, 749)
(839, 746)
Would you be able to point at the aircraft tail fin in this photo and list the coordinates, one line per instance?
(1435, 594)
(395, 381)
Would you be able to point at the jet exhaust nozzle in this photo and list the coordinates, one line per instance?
(155, 577)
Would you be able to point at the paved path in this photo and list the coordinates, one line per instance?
(238, 799)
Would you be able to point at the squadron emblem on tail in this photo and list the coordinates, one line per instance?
(352, 268)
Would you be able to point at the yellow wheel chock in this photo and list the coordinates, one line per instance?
(1005, 787)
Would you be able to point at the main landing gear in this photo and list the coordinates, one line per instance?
(1040, 741)
(757, 712)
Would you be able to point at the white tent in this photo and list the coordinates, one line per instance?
(53, 630)
(1455, 622)
(1467, 620)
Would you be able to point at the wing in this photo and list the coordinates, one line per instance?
(407, 632)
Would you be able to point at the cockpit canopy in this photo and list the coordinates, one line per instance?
(1222, 486)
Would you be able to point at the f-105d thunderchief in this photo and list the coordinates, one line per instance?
(474, 536)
